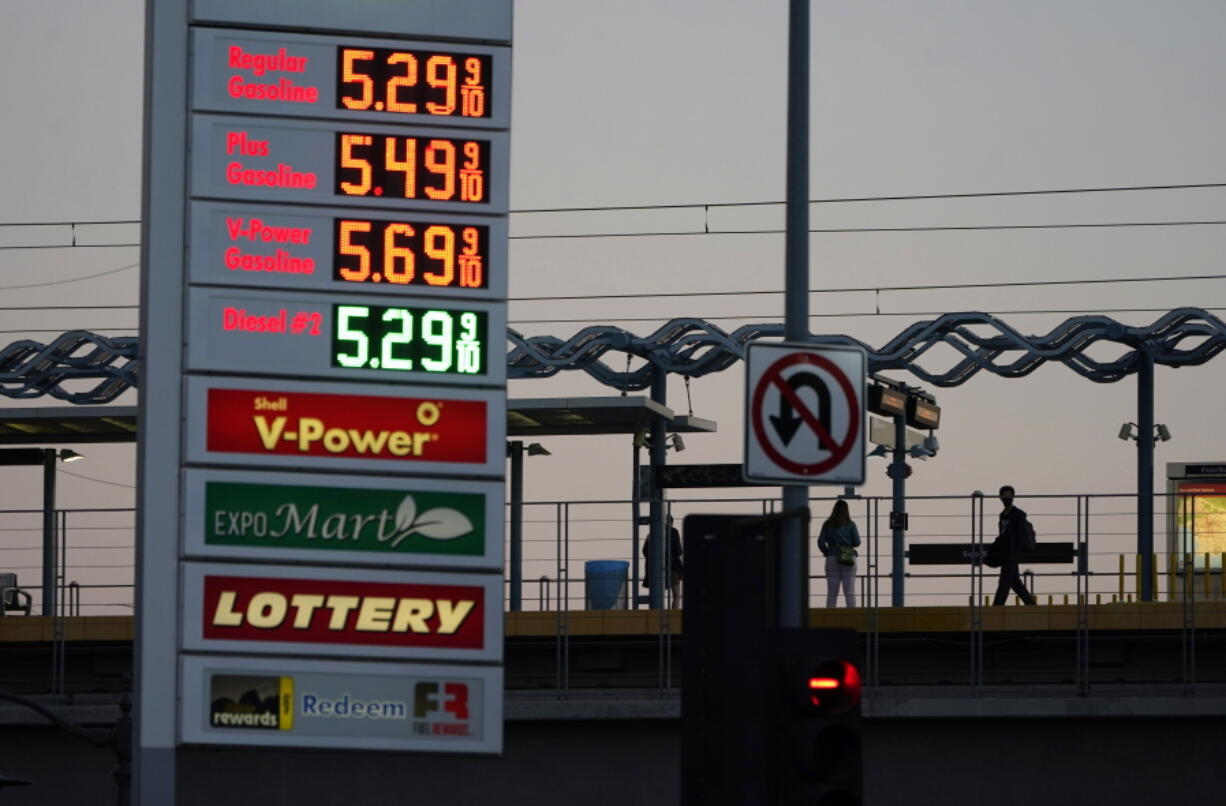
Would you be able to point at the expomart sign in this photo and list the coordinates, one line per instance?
(398, 521)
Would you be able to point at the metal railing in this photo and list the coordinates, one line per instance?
(1093, 595)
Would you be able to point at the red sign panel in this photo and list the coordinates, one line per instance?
(324, 611)
(357, 426)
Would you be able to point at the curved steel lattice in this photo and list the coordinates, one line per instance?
(32, 369)
(693, 347)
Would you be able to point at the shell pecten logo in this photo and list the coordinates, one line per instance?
(337, 425)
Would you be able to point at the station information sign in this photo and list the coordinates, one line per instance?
(323, 434)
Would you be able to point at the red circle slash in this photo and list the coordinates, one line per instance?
(774, 377)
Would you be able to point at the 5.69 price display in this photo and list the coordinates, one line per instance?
(410, 339)
(411, 253)
(436, 168)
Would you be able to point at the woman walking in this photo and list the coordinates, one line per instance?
(837, 543)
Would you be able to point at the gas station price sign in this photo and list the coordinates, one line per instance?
(304, 335)
(332, 249)
(375, 79)
(332, 162)
(434, 340)
(399, 253)
(436, 168)
(413, 82)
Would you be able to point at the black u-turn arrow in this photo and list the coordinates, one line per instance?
(787, 422)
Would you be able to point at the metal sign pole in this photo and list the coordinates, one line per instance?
(793, 556)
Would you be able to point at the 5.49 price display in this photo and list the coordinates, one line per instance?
(410, 253)
(410, 339)
(436, 168)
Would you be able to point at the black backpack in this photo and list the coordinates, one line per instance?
(1029, 543)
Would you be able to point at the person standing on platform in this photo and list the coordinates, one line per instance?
(837, 542)
(1012, 536)
(672, 561)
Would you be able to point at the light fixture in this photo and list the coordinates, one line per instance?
(1164, 433)
(537, 449)
(932, 443)
(920, 452)
(678, 443)
(640, 438)
(69, 455)
(880, 450)
(1126, 431)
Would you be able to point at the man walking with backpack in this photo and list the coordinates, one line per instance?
(1016, 537)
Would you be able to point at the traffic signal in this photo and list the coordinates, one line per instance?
(818, 747)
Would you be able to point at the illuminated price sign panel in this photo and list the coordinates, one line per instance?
(328, 205)
(335, 250)
(371, 79)
(326, 163)
(323, 611)
(301, 335)
(303, 703)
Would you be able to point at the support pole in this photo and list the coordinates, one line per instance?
(49, 547)
(515, 449)
(898, 475)
(657, 455)
(793, 544)
(1145, 470)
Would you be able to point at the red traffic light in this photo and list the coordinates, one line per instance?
(834, 687)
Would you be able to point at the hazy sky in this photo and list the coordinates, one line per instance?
(683, 101)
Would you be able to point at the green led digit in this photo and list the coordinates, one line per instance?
(344, 314)
(403, 337)
(436, 330)
(468, 324)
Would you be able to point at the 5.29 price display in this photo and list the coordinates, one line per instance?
(413, 82)
(431, 168)
(409, 339)
(410, 253)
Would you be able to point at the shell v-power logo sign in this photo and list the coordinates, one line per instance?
(350, 426)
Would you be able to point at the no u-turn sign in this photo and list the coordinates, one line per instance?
(804, 414)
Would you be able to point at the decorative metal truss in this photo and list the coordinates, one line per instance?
(66, 367)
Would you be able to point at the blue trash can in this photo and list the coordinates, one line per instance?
(604, 584)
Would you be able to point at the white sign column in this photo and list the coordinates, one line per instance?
(323, 400)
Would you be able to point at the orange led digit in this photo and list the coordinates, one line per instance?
(346, 246)
(409, 79)
(407, 166)
(401, 274)
(350, 162)
(349, 75)
(440, 245)
(441, 74)
(444, 168)
(386, 80)
(410, 253)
